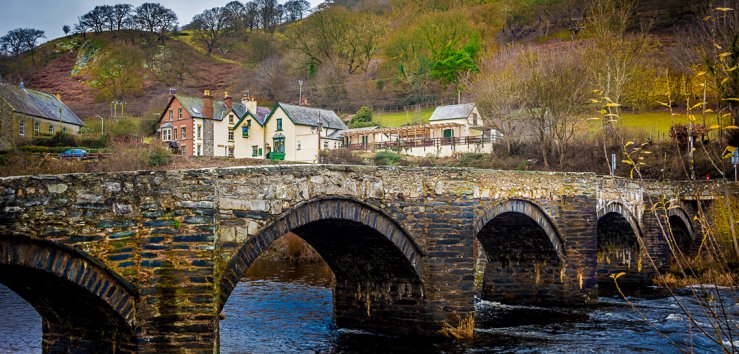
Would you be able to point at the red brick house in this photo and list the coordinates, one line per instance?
(191, 125)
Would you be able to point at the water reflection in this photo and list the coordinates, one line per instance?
(285, 308)
(20, 324)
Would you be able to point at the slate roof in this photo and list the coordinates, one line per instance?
(454, 111)
(37, 104)
(194, 107)
(260, 116)
(309, 116)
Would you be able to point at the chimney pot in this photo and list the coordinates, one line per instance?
(228, 100)
(58, 96)
(207, 104)
(250, 103)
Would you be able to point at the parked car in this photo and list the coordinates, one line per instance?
(74, 153)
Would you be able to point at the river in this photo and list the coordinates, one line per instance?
(281, 307)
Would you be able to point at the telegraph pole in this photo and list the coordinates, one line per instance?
(300, 99)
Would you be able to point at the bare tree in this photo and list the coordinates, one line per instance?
(268, 14)
(270, 78)
(155, 18)
(251, 15)
(553, 99)
(236, 15)
(498, 92)
(95, 20)
(21, 40)
(121, 15)
(210, 26)
(296, 9)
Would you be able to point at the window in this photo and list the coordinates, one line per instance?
(64, 130)
(22, 128)
(200, 132)
(200, 150)
(166, 134)
(279, 145)
(184, 133)
(230, 134)
(248, 123)
(171, 114)
(179, 113)
(279, 123)
(175, 133)
(183, 149)
(37, 126)
(230, 152)
(255, 150)
(245, 131)
(51, 128)
(298, 143)
(474, 118)
(325, 145)
(230, 119)
(260, 151)
(365, 140)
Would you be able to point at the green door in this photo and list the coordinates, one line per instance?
(448, 133)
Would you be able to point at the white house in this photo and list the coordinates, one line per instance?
(297, 133)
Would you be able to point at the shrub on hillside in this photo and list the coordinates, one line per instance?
(340, 157)
(364, 114)
(58, 139)
(157, 155)
(354, 124)
(679, 134)
(387, 158)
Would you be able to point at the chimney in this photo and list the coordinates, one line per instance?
(207, 104)
(228, 100)
(58, 96)
(172, 91)
(250, 103)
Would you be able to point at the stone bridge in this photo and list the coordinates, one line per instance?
(144, 261)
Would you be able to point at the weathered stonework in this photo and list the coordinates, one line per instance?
(157, 254)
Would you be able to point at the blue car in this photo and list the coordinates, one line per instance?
(74, 153)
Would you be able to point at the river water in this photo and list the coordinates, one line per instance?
(284, 308)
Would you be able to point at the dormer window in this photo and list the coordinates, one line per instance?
(230, 119)
(245, 131)
(279, 124)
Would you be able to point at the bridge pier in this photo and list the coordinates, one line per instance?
(144, 261)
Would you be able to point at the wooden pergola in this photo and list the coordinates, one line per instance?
(409, 130)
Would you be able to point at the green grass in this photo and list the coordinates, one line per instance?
(655, 124)
(397, 119)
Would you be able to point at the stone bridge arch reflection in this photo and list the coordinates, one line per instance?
(83, 306)
(375, 262)
(619, 247)
(525, 254)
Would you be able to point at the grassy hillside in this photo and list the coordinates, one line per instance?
(65, 65)
(410, 35)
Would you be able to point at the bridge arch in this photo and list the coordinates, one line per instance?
(525, 253)
(619, 239)
(681, 230)
(375, 262)
(83, 305)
